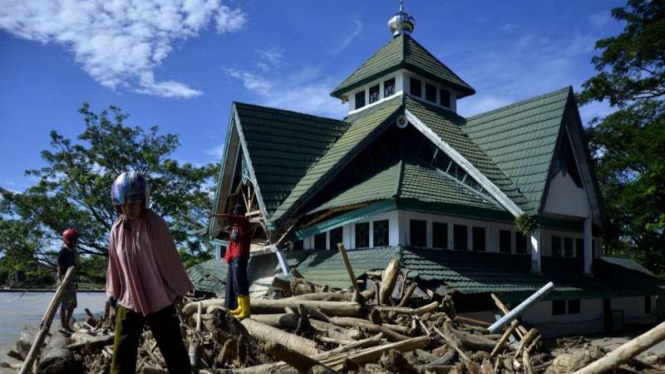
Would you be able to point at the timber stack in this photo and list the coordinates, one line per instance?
(305, 327)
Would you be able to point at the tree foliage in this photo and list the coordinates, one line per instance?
(73, 188)
(628, 145)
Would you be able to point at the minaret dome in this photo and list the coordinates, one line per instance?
(402, 22)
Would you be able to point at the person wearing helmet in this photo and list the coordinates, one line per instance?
(237, 257)
(145, 278)
(68, 257)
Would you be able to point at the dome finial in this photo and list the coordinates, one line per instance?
(402, 22)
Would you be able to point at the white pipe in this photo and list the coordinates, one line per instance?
(521, 308)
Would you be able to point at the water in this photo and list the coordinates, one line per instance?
(20, 309)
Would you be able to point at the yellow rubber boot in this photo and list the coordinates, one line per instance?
(244, 303)
(238, 310)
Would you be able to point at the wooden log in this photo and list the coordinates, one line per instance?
(374, 340)
(521, 331)
(437, 369)
(15, 355)
(472, 321)
(504, 338)
(349, 269)
(429, 308)
(373, 354)
(407, 294)
(191, 308)
(325, 339)
(325, 296)
(471, 342)
(264, 306)
(334, 331)
(450, 342)
(353, 322)
(46, 323)
(395, 362)
(318, 314)
(25, 340)
(287, 321)
(93, 344)
(627, 351)
(267, 333)
(301, 362)
(56, 358)
(528, 338)
(388, 280)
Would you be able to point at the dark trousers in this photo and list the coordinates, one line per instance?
(237, 283)
(165, 327)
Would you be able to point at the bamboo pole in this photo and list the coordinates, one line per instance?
(526, 304)
(347, 263)
(46, 323)
(626, 351)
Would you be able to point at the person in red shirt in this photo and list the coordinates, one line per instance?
(237, 257)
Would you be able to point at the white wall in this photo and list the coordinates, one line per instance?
(349, 231)
(633, 309)
(588, 321)
(564, 197)
(402, 86)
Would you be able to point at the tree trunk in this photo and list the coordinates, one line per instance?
(56, 358)
(388, 280)
(267, 333)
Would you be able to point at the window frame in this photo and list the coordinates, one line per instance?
(357, 233)
(358, 96)
(413, 83)
(443, 225)
(414, 235)
(376, 234)
(388, 87)
(377, 97)
(466, 237)
(502, 241)
(430, 89)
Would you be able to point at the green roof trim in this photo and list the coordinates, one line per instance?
(365, 125)
(267, 132)
(346, 218)
(403, 52)
(521, 139)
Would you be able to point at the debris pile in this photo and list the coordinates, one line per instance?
(305, 327)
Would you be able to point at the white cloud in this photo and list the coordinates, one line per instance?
(304, 90)
(119, 43)
(345, 43)
(270, 58)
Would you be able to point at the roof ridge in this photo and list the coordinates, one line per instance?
(288, 112)
(519, 103)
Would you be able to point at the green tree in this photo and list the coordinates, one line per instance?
(73, 188)
(629, 145)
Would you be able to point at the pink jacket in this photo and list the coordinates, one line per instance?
(145, 272)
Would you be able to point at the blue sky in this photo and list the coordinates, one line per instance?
(182, 64)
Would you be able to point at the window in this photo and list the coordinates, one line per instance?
(574, 306)
(579, 247)
(362, 235)
(374, 94)
(360, 99)
(320, 241)
(568, 247)
(381, 233)
(430, 93)
(445, 98)
(556, 246)
(478, 235)
(418, 233)
(298, 246)
(504, 241)
(520, 243)
(416, 87)
(335, 237)
(439, 235)
(389, 87)
(647, 304)
(558, 307)
(460, 236)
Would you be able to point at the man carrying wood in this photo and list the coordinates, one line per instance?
(237, 257)
(67, 257)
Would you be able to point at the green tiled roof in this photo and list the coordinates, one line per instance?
(446, 125)
(409, 179)
(464, 271)
(521, 139)
(363, 126)
(209, 276)
(403, 52)
(282, 145)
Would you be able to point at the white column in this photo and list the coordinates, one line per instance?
(588, 259)
(536, 252)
